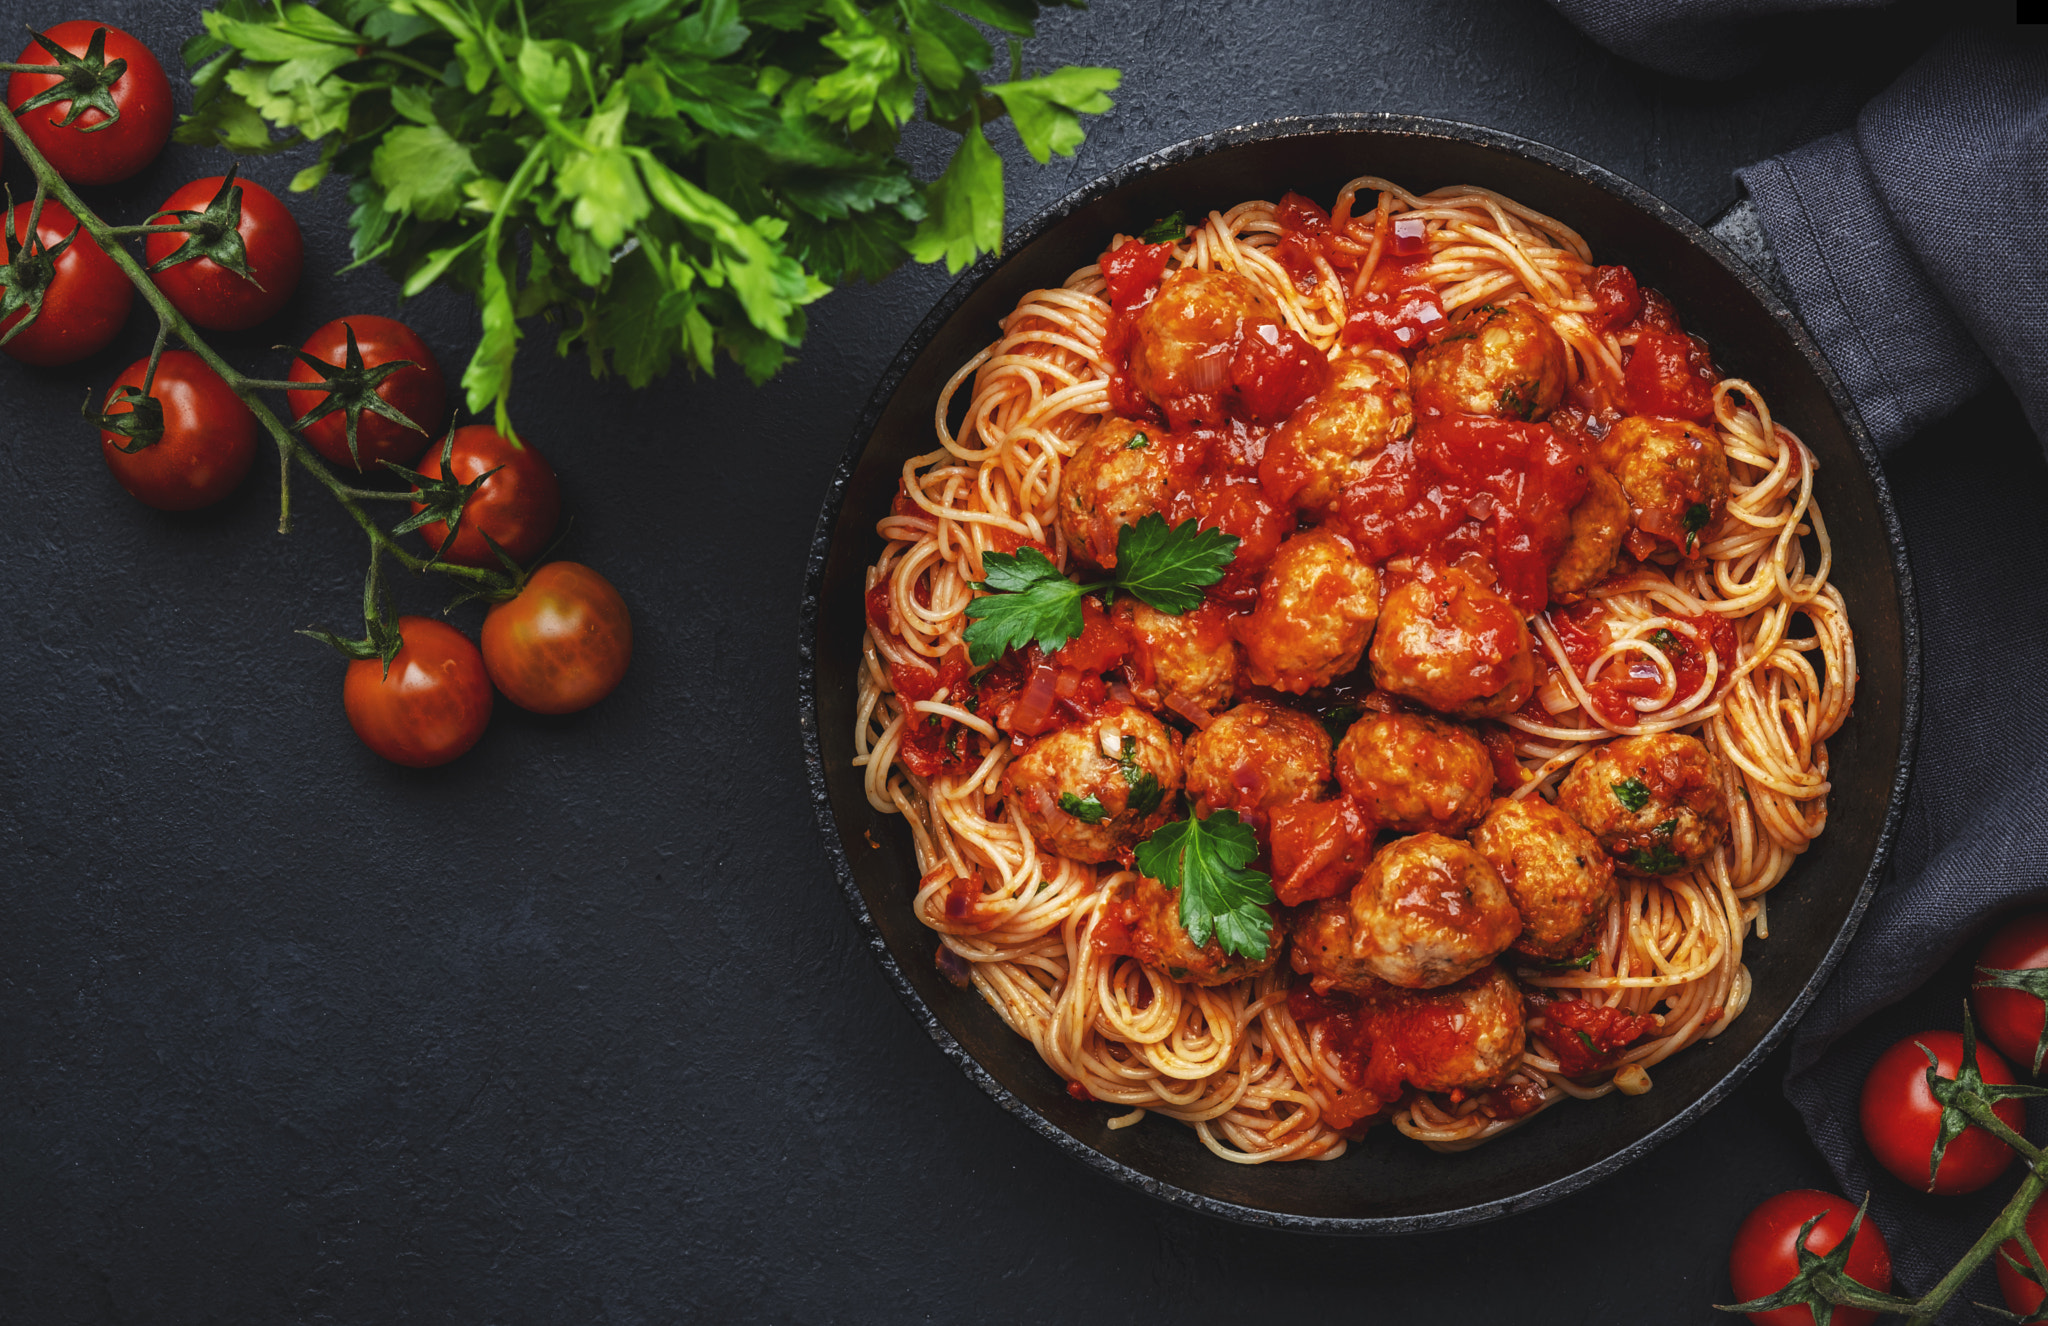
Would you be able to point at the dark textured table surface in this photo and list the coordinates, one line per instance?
(578, 1028)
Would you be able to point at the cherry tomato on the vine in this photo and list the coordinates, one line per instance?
(2011, 1019)
(518, 506)
(81, 152)
(85, 302)
(420, 394)
(1901, 1118)
(433, 704)
(208, 293)
(563, 644)
(1766, 1253)
(2021, 1294)
(209, 436)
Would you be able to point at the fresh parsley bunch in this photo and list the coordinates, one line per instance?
(664, 179)
(1030, 599)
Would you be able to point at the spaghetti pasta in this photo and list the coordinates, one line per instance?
(1743, 645)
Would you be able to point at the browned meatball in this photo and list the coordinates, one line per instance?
(1455, 645)
(1256, 757)
(1502, 360)
(1599, 524)
(1415, 773)
(1320, 948)
(1186, 337)
(1192, 658)
(1093, 790)
(1120, 475)
(1653, 801)
(1325, 445)
(1466, 1036)
(1428, 911)
(1315, 613)
(1676, 478)
(1150, 913)
(1555, 871)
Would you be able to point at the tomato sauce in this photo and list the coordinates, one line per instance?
(1493, 487)
(1588, 1037)
(1617, 299)
(1632, 675)
(932, 743)
(1319, 848)
(1669, 374)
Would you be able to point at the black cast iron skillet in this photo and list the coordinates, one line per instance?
(1386, 1184)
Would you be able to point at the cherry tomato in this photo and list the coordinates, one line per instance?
(85, 303)
(2021, 1294)
(420, 394)
(2011, 1019)
(210, 294)
(1901, 1118)
(209, 436)
(1766, 1253)
(431, 707)
(562, 644)
(518, 506)
(141, 94)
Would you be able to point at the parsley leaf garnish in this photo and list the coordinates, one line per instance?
(1168, 229)
(1029, 599)
(1584, 962)
(1088, 810)
(1632, 793)
(1137, 442)
(1657, 859)
(1665, 639)
(1204, 860)
(1145, 790)
(1695, 521)
(1338, 720)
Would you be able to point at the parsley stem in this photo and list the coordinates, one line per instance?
(290, 449)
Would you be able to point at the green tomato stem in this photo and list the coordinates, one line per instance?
(290, 449)
(2009, 1223)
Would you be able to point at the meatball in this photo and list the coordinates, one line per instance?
(1415, 773)
(1676, 478)
(1256, 757)
(1151, 916)
(1653, 801)
(1120, 475)
(1093, 790)
(1320, 948)
(1599, 523)
(1315, 613)
(1555, 871)
(1192, 658)
(1324, 446)
(1466, 1036)
(1455, 645)
(1428, 911)
(1186, 337)
(1502, 360)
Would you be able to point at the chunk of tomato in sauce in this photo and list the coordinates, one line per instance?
(1274, 370)
(1101, 645)
(1232, 501)
(1588, 1037)
(1304, 230)
(1133, 271)
(1669, 374)
(1617, 299)
(1319, 848)
(931, 743)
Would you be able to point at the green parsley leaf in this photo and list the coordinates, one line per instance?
(966, 218)
(1047, 110)
(1665, 639)
(1586, 1040)
(1695, 520)
(1584, 962)
(1204, 860)
(1028, 599)
(1168, 229)
(1145, 790)
(1088, 810)
(1632, 793)
(1168, 566)
(1137, 442)
(1657, 859)
(1337, 720)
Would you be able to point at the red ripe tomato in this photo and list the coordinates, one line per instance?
(210, 294)
(2011, 1019)
(420, 394)
(518, 506)
(1901, 1118)
(209, 438)
(85, 303)
(431, 707)
(1766, 1254)
(141, 94)
(563, 644)
(2021, 1294)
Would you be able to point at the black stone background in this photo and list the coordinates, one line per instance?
(578, 1029)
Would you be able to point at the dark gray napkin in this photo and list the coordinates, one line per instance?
(1915, 247)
